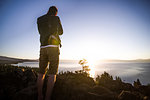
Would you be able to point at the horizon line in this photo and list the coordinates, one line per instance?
(107, 59)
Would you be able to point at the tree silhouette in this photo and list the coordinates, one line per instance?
(85, 68)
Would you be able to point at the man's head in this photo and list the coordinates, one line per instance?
(52, 11)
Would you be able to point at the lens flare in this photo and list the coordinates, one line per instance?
(91, 63)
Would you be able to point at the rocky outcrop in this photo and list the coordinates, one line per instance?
(19, 83)
(28, 93)
(14, 79)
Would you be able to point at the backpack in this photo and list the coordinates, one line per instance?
(48, 29)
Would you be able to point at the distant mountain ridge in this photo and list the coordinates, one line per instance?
(136, 60)
(10, 60)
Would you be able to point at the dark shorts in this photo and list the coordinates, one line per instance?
(49, 56)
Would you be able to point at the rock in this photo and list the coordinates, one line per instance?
(101, 90)
(144, 90)
(19, 84)
(127, 95)
(29, 93)
(84, 88)
(104, 93)
(30, 74)
(18, 73)
(29, 77)
(146, 98)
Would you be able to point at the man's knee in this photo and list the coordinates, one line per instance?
(52, 78)
(41, 76)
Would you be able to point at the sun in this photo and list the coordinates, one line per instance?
(91, 63)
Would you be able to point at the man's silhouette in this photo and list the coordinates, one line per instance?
(50, 28)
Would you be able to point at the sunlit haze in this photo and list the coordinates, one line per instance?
(93, 29)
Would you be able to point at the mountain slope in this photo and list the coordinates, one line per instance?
(10, 60)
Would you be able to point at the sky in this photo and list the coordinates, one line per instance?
(93, 29)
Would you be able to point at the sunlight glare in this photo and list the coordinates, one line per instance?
(92, 63)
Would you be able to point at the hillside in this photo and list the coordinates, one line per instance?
(19, 83)
(10, 60)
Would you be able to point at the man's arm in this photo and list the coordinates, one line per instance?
(38, 25)
(60, 29)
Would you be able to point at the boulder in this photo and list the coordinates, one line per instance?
(104, 93)
(127, 95)
(29, 93)
(18, 73)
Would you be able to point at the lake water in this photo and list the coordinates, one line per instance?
(128, 72)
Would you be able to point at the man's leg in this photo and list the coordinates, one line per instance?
(43, 62)
(53, 69)
(50, 85)
(40, 82)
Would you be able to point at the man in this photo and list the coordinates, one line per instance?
(49, 27)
